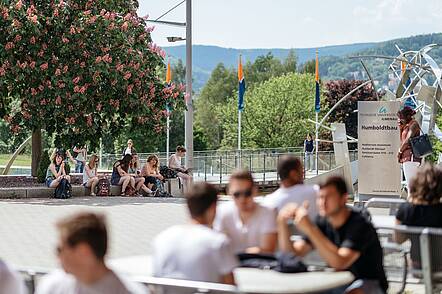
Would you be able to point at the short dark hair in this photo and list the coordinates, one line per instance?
(242, 175)
(286, 164)
(426, 186)
(337, 182)
(200, 197)
(89, 228)
(180, 149)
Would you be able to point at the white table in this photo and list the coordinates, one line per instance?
(250, 280)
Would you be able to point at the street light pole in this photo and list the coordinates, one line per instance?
(188, 130)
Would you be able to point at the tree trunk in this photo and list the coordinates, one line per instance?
(36, 151)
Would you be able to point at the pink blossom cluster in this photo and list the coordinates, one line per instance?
(5, 13)
(157, 50)
(114, 103)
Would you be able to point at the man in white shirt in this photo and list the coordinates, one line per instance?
(10, 281)
(292, 189)
(250, 226)
(194, 251)
(81, 251)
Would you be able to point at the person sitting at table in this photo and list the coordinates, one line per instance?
(90, 174)
(423, 209)
(344, 238)
(250, 226)
(292, 187)
(194, 251)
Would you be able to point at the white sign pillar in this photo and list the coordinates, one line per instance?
(379, 172)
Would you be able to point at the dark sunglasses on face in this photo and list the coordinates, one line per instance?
(246, 193)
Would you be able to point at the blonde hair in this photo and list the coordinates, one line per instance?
(92, 160)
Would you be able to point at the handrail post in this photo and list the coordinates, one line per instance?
(205, 170)
(220, 169)
(264, 167)
(424, 240)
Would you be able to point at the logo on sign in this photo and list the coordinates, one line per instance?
(382, 110)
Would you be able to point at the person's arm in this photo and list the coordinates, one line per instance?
(300, 248)
(54, 171)
(63, 169)
(121, 172)
(267, 244)
(397, 236)
(339, 258)
(68, 154)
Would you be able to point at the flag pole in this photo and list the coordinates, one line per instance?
(167, 137)
(317, 107)
(239, 116)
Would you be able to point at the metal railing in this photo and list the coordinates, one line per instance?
(217, 166)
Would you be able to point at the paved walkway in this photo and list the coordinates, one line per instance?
(29, 237)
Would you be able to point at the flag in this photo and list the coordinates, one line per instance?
(317, 98)
(409, 101)
(168, 74)
(168, 80)
(242, 87)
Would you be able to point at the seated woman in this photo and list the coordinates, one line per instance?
(152, 175)
(135, 172)
(423, 209)
(90, 177)
(56, 171)
(174, 163)
(120, 174)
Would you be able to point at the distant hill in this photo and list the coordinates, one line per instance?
(206, 58)
(334, 61)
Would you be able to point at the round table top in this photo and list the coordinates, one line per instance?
(250, 280)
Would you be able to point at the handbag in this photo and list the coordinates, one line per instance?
(281, 262)
(421, 145)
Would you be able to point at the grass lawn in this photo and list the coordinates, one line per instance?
(21, 160)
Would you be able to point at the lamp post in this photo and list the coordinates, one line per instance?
(188, 117)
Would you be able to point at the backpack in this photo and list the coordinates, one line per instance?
(130, 191)
(103, 187)
(63, 190)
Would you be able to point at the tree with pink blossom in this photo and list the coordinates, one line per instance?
(79, 69)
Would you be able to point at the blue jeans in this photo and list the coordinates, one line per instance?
(79, 166)
(309, 163)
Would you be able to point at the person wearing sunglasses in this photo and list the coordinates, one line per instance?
(90, 176)
(81, 250)
(250, 226)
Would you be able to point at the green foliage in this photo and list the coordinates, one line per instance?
(221, 90)
(345, 112)
(309, 67)
(43, 166)
(275, 115)
(435, 142)
(81, 70)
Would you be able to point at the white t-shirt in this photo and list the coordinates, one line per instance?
(174, 161)
(10, 282)
(92, 172)
(295, 194)
(192, 252)
(244, 235)
(59, 282)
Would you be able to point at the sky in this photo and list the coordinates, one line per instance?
(295, 23)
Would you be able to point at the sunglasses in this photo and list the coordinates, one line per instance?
(246, 193)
